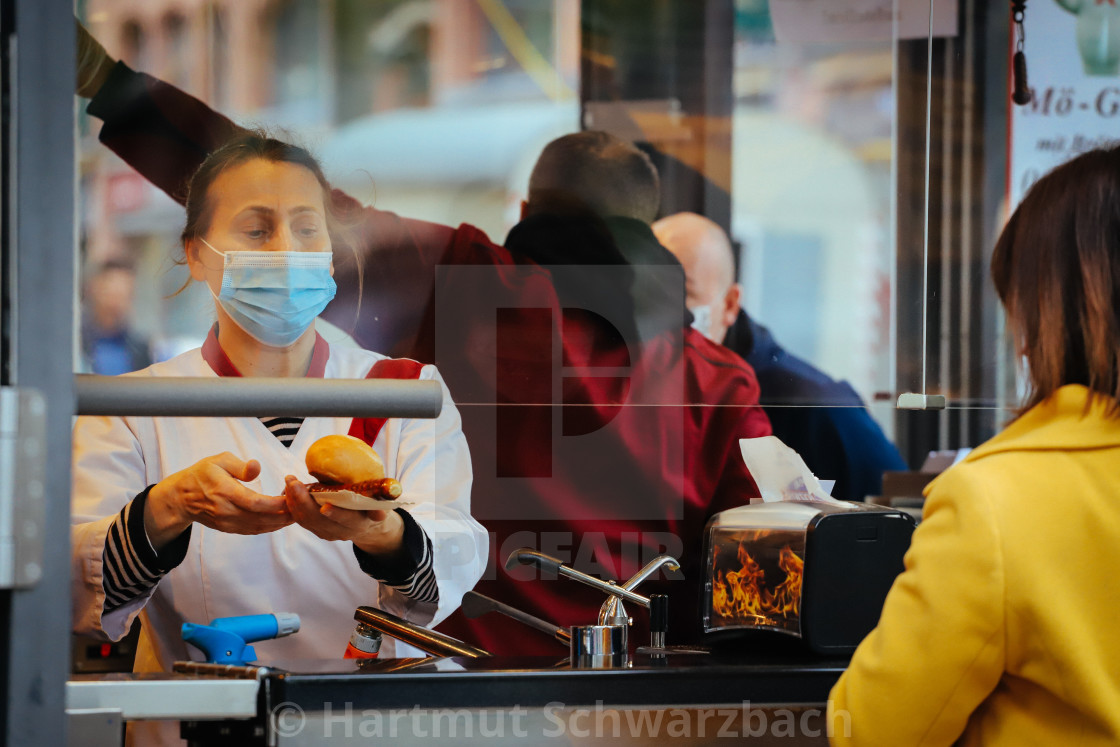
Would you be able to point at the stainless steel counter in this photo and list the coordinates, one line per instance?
(97, 706)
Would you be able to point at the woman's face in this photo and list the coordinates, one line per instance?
(260, 206)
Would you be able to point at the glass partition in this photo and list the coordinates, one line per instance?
(952, 190)
(858, 158)
(813, 197)
(856, 155)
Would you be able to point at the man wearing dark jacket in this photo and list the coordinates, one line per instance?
(823, 420)
(586, 398)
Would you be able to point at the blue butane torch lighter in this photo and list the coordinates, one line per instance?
(225, 640)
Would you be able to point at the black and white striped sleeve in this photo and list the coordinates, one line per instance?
(410, 571)
(131, 565)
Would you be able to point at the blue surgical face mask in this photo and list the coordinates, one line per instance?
(274, 296)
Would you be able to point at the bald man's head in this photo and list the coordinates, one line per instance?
(709, 267)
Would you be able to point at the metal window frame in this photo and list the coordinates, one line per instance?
(37, 44)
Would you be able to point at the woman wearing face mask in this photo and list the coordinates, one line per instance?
(189, 519)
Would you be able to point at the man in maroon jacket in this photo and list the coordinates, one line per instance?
(603, 429)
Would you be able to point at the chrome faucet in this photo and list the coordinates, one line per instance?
(428, 641)
(606, 643)
(612, 612)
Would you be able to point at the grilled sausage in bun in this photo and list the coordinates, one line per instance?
(347, 463)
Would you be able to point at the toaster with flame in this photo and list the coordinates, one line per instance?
(816, 570)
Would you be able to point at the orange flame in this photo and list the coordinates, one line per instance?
(743, 593)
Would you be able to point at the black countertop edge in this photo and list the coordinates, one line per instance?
(435, 684)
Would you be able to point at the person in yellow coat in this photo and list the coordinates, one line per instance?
(1004, 628)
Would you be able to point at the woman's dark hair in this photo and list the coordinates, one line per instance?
(1056, 268)
(252, 145)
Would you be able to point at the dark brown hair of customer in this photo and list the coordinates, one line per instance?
(597, 172)
(251, 145)
(1056, 268)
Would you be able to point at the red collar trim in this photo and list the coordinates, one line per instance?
(367, 429)
(213, 354)
(220, 363)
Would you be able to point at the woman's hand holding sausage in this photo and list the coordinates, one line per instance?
(212, 492)
(375, 532)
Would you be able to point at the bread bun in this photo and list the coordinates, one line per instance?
(342, 460)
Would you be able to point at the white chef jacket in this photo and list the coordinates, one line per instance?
(289, 570)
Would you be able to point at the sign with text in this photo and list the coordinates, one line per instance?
(1073, 61)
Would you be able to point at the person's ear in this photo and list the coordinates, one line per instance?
(730, 310)
(198, 269)
(524, 210)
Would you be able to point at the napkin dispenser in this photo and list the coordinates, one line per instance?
(816, 570)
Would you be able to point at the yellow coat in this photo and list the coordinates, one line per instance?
(1005, 627)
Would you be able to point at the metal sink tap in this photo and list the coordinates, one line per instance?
(606, 643)
(428, 641)
(613, 613)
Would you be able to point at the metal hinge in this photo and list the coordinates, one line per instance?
(23, 417)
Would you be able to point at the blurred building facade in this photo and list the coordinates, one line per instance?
(432, 108)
